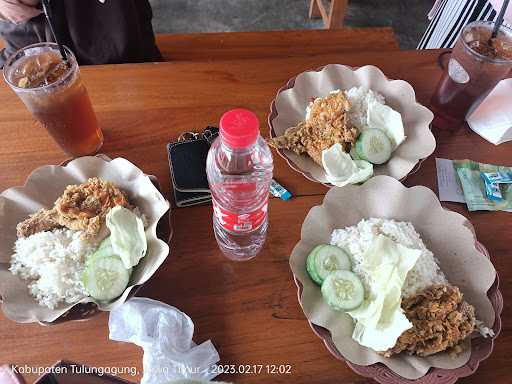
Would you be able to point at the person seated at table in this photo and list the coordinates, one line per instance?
(98, 32)
(448, 17)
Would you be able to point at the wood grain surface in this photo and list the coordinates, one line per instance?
(249, 310)
(256, 45)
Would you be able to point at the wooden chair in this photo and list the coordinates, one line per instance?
(334, 17)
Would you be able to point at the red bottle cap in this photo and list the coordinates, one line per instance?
(239, 128)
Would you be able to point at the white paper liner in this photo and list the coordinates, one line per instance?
(442, 231)
(41, 190)
(290, 105)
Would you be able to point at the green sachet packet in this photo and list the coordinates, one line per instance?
(473, 186)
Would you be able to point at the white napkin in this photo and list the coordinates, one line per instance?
(492, 119)
(165, 333)
(7, 376)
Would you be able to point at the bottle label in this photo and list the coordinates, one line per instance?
(240, 223)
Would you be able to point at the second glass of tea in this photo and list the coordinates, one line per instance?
(53, 92)
(476, 65)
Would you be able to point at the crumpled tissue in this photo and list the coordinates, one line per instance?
(492, 119)
(165, 333)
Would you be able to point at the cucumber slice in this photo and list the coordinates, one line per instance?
(330, 258)
(105, 278)
(353, 153)
(343, 290)
(311, 265)
(324, 259)
(373, 145)
(104, 250)
(106, 243)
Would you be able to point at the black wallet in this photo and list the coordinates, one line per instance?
(187, 160)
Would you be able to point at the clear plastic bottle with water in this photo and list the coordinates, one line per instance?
(239, 169)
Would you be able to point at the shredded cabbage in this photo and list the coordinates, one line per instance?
(342, 170)
(127, 235)
(380, 319)
(388, 120)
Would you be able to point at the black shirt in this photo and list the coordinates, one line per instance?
(117, 31)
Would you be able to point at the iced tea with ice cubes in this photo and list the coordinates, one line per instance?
(54, 93)
(476, 65)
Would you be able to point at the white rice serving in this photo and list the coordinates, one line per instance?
(357, 239)
(52, 262)
(360, 98)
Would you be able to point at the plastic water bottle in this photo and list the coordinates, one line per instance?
(239, 169)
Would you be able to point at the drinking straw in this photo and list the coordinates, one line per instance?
(49, 16)
(499, 19)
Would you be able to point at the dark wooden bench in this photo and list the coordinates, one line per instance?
(250, 45)
(237, 45)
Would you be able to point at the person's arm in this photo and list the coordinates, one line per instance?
(19, 11)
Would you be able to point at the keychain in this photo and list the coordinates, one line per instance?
(209, 134)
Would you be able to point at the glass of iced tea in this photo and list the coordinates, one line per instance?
(476, 65)
(54, 93)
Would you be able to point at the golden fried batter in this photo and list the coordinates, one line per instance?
(42, 220)
(326, 125)
(85, 206)
(441, 319)
(81, 207)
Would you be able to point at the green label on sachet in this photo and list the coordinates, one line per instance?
(473, 186)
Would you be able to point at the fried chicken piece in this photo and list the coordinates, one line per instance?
(441, 320)
(81, 207)
(42, 220)
(84, 207)
(326, 125)
(292, 139)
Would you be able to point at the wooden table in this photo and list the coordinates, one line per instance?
(258, 45)
(249, 310)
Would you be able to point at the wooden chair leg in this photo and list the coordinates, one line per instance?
(314, 10)
(332, 19)
(337, 14)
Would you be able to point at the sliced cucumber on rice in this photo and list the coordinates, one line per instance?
(373, 145)
(330, 258)
(311, 267)
(105, 277)
(343, 290)
(353, 153)
(104, 250)
(325, 259)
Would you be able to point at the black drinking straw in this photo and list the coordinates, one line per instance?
(499, 19)
(49, 16)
